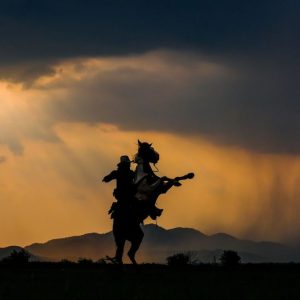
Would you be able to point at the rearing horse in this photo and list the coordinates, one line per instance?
(148, 187)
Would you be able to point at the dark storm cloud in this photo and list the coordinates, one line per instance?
(26, 72)
(259, 40)
(246, 105)
(41, 30)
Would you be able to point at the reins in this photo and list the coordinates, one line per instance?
(157, 170)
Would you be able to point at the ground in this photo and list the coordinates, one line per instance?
(44, 281)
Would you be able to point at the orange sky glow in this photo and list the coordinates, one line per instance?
(50, 180)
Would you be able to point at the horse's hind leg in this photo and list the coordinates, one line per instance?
(135, 244)
(119, 241)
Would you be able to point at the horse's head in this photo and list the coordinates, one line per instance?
(147, 152)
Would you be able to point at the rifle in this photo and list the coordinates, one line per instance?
(177, 179)
(150, 192)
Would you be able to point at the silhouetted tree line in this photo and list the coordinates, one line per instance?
(17, 257)
(229, 258)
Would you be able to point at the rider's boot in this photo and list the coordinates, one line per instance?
(155, 212)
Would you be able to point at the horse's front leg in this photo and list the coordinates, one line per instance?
(167, 183)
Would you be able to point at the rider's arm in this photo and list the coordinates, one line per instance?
(110, 177)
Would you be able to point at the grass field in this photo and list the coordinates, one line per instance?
(73, 281)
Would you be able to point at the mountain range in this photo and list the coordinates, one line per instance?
(160, 243)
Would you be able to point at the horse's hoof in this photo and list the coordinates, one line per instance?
(132, 259)
(114, 260)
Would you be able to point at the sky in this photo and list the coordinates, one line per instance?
(212, 84)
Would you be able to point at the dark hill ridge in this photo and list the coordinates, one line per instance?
(6, 251)
(160, 243)
(91, 245)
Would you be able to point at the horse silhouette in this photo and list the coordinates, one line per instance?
(147, 187)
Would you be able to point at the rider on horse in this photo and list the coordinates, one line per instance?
(124, 191)
(136, 195)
